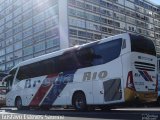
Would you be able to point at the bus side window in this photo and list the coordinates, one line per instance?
(85, 57)
(123, 43)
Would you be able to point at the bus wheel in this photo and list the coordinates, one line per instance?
(79, 101)
(158, 101)
(18, 103)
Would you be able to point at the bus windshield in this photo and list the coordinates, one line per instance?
(142, 44)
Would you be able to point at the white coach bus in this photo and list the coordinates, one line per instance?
(158, 63)
(114, 70)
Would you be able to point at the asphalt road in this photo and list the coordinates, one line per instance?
(61, 114)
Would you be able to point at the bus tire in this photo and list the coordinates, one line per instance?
(158, 101)
(18, 103)
(79, 101)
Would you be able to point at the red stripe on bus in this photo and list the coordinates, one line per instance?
(41, 92)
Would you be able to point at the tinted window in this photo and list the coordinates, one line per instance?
(37, 69)
(55, 65)
(100, 53)
(142, 44)
(67, 62)
(94, 54)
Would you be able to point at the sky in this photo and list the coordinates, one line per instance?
(156, 1)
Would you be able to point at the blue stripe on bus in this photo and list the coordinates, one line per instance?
(143, 75)
(58, 87)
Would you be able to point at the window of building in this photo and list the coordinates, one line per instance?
(9, 65)
(2, 52)
(130, 20)
(2, 37)
(2, 44)
(27, 5)
(1, 29)
(92, 26)
(38, 27)
(17, 20)
(39, 53)
(123, 25)
(9, 57)
(52, 42)
(38, 18)
(1, 20)
(97, 36)
(52, 11)
(28, 41)
(8, 25)
(72, 32)
(18, 45)
(18, 37)
(2, 59)
(17, 61)
(129, 4)
(39, 47)
(39, 37)
(51, 22)
(18, 54)
(52, 32)
(2, 67)
(80, 4)
(27, 57)
(72, 12)
(8, 17)
(27, 24)
(27, 32)
(7, 2)
(17, 12)
(17, 29)
(17, 4)
(27, 15)
(77, 22)
(28, 50)
(9, 33)
(9, 49)
(9, 41)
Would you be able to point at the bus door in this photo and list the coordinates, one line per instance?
(98, 96)
(9, 81)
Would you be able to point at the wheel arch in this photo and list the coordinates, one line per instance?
(16, 99)
(76, 92)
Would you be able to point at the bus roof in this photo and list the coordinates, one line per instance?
(60, 52)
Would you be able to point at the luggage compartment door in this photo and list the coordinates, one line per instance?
(112, 90)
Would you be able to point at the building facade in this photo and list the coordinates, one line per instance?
(29, 28)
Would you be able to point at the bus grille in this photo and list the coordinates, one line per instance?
(144, 66)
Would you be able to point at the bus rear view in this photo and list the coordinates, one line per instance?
(141, 78)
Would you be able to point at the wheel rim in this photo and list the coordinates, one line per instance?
(79, 103)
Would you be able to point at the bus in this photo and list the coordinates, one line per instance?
(158, 71)
(3, 89)
(115, 70)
